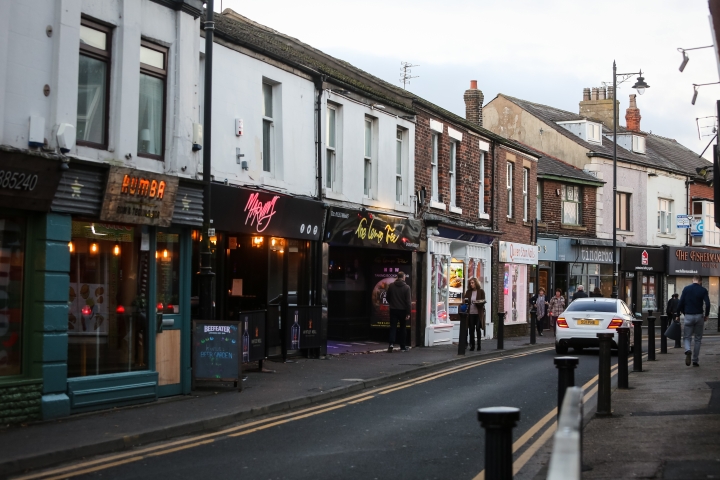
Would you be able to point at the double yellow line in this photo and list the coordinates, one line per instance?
(550, 431)
(135, 455)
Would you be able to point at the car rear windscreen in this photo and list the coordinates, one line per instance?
(591, 306)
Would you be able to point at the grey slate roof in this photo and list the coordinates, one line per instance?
(234, 28)
(658, 154)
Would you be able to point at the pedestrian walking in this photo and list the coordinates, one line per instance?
(556, 306)
(476, 317)
(691, 305)
(596, 293)
(398, 298)
(540, 304)
(580, 293)
(672, 308)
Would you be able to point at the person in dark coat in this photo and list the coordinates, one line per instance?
(596, 292)
(540, 303)
(400, 303)
(580, 293)
(672, 309)
(476, 317)
(694, 297)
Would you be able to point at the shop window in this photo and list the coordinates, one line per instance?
(151, 115)
(665, 219)
(571, 205)
(515, 293)
(167, 260)
(622, 211)
(93, 84)
(439, 307)
(12, 259)
(108, 299)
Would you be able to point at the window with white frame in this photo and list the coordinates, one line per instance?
(638, 144)
(571, 205)
(665, 219)
(481, 196)
(331, 148)
(526, 193)
(509, 184)
(434, 166)
(398, 166)
(538, 202)
(593, 132)
(368, 171)
(453, 174)
(268, 131)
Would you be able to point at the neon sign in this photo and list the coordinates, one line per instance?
(260, 214)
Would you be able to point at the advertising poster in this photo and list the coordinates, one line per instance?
(515, 293)
(384, 272)
(456, 281)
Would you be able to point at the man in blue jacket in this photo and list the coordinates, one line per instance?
(691, 305)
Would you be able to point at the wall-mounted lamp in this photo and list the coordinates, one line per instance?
(94, 248)
(257, 241)
(686, 59)
(116, 250)
(213, 240)
(165, 252)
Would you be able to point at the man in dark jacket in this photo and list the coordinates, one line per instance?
(691, 305)
(398, 298)
(580, 293)
(672, 307)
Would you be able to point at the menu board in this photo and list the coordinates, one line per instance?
(216, 353)
(456, 281)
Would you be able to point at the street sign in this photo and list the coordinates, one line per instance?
(697, 226)
(683, 221)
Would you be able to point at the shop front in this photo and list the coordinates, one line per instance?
(547, 256)
(584, 261)
(516, 262)
(266, 258)
(455, 256)
(684, 262)
(641, 282)
(366, 250)
(128, 315)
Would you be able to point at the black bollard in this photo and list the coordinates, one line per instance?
(603, 402)
(651, 338)
(637, 348)
(623, 351)
(501, 333)
(533, 324)
(663, 338)
(566, 376)
(462, 339)
(498, 423)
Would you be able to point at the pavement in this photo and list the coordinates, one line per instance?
(301, 382)
(666, 426)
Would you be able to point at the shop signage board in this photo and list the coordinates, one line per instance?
(217, 351)
(547, 249)
(687, 261)
(356, 228)
(518, 253)
(27, 181)
(303, 327)
(683, 221)
(139, 197)
(569, 252)
(642, 259)
(258, 212)
(697, 226)
(253, 335)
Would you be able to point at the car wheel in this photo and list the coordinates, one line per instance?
(561, 349)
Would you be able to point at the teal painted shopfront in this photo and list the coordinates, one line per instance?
(95, 305)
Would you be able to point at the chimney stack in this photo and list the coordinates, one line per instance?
(597, 105)
(602, 93)
(474, 104)
(594, 95)
(632, 115)
(586, 94)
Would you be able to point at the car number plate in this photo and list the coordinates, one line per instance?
(583, 321)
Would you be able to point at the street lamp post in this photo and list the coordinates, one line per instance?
(640, 86)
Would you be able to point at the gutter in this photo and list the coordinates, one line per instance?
(571, 180)
(633, 162)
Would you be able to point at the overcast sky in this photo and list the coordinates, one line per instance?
(544, 51)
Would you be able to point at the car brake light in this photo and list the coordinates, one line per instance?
(562, 323)
(616, 323)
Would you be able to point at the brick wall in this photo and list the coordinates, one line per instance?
(20, 403)
(468, 170)
(552, 210)
(513, 229)
(701, 191)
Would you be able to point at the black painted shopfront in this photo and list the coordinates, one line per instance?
(641, 282)
(366, 251)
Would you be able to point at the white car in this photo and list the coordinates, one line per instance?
(584, 318)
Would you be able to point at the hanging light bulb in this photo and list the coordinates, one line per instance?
(116, 250)
(165, 253)
(94, 248)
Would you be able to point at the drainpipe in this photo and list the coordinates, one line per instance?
(318, 144)
(495, 252)
(207, 276)
(688, 209)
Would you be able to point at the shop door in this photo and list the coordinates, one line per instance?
(593, 283)
(627, 293)
(173, 305)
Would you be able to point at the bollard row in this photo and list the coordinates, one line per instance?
(498, 423)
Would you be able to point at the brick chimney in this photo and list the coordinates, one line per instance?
(473, 104)
(632, 116)
(597, 105)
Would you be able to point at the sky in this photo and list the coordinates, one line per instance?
(544, 51)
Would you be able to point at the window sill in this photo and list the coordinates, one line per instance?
(455, 210)
(625, 232)
(573, 227)
(273, 182)
(527, 224)
(370, 202)
(667, 235)
(403, 208)
(511, 220)
(437, 205)
(334, 195)
(484, 216)
(542, 224)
